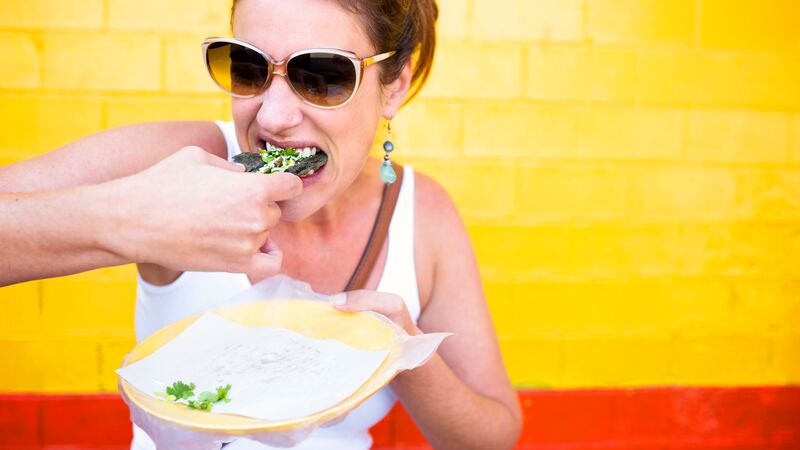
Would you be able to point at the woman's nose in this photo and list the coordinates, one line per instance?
(280, 108)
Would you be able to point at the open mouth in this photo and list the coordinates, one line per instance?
(273, 159)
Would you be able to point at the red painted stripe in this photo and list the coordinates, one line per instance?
(657, 418)
(20, 421)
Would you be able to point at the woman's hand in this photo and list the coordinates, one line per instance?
(390, 305)
(196, 211)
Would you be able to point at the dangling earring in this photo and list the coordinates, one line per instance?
(387, 171)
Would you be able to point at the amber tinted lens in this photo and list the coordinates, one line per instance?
(236, 68)
(324, 79)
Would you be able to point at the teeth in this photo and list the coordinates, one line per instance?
(304, 152)
(311, 172)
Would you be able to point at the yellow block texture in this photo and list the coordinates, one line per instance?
(670, 193)
(796, 139)
(33, 124)
(527, 131)
(111, 354)
(522, 250)
(210, 16)
(74, 14)
(445, 139)
(689, 76)
(184, 66)
(740, 136)
(785, 367)
(91, 62)
(561, 192)
(482, 71)
(454, 19)
(88, 304)
(481, 189)
(645, 358)
(22, 49)
(641, 21)
(21, 309)
(768, 194)
(127, 110)
(737, 24)
(630, 133)
(534, 362)
(628, 172)
(528, 19)
(581, 73)
(609, 306)
(720, 359)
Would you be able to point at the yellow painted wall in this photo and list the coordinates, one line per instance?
(629, 171)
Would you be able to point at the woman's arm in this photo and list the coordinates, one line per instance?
(461, 398)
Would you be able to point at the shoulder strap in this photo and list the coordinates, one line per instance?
(378, 235)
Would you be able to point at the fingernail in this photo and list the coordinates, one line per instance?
(338, 299)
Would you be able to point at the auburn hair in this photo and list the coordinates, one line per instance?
(407, 26)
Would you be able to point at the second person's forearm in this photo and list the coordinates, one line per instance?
(54, 233)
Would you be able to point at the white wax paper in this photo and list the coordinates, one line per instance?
(406, 353)
(275, 374)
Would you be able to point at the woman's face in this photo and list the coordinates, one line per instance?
(278, 116)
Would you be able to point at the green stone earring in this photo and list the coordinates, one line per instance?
(387, 171)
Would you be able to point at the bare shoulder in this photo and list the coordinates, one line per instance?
(110, 154)
(434, 208)
(439, 232)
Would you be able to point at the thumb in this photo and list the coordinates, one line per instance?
(280, 186)
(266, 263)
(216, 161)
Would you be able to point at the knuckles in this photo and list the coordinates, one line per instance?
(193, 152)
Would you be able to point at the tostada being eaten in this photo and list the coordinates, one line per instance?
(299, 161)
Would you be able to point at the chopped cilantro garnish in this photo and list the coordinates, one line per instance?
(205, 400)
(222, 393)
(181, 390)
(278, 160)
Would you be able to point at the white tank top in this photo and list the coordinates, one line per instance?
(192, 292)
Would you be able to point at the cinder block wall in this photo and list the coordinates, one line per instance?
(629, 171)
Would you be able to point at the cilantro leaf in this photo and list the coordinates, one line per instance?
(204, 401)
(181, 390)
(207, 397)
(222, 393)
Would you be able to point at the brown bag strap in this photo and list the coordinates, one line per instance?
(378, 235)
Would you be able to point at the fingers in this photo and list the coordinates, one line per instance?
(280, 186)
(389, 305)
(263, 265)
(199, 155)
(216, 161)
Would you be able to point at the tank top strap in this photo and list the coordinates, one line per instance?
(229, 133)
(400, 272)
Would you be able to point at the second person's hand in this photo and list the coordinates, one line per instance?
(196, 211)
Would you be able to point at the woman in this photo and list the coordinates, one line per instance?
(462, 397)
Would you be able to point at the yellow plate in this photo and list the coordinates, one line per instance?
(312, 318)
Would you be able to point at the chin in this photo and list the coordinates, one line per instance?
(300, 208)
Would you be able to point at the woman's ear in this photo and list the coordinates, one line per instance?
(395, 92)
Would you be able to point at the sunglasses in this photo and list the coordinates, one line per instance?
(322, 77)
